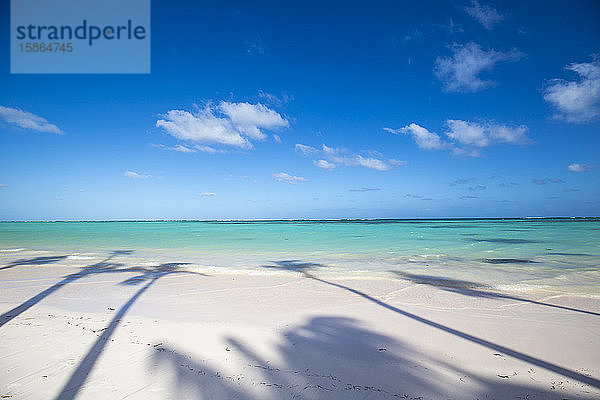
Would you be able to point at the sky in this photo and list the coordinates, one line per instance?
(379, 109)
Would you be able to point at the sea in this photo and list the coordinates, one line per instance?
(553, 254)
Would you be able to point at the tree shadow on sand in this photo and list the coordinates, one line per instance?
(34, 261)
(330, 358)
(150, 276)
(104, 266)
(306, 270)
(474, 289)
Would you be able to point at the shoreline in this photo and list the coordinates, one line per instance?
(535, 277)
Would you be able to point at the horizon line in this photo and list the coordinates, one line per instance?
(300, 219)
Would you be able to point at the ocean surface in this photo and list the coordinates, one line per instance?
(559, 254)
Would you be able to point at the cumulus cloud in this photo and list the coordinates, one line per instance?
(207, 194)
(459, 72)
(324, 164)
(576, 167)
(27, 120)
(546, 181)
(230, 124)
(250, 118)
(487, 16)
(425, 139)
(135, 175)
(287, 178)
(577, 101)
(470, 136)
(331, 157)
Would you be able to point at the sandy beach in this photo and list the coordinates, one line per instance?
(112, 329)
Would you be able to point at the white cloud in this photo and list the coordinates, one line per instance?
(135, 175)
(208, 149)
(271, 98)
(277, 138)
(469, 133)
(483, 135)
(305, 150)
(3, 185)
(486, 15)
(577, 101)
(249, 118)
(424, 139)
(470, 136)
(202, 127)
(367, 162)
(332, 156)
(396, 163)
(324, 164)
(287, 178)
(459, 73)
(180, 148)
(207, 194)
(230, 124)
(27, 120)
(506, 134)
(576, 167)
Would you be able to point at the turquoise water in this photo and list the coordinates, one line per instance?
(527, 252)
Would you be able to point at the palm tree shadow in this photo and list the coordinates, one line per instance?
(149, 275)
(104, 266)
(306, 268)
(474, 289)
(326, 357)
(34, 261)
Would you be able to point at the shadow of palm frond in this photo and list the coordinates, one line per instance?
(35, 261)
(327, 357)
(149, 273)
(475, 289)
(304, 268)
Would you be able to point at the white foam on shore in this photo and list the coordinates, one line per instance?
(11, 250)
(78, 257)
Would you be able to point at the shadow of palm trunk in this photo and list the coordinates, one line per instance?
(588, 380)
(75, 383)
(26, 305)
(102, 266)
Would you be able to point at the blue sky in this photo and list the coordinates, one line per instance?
(311, 110)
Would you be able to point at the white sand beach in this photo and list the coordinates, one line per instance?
(108, 329)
